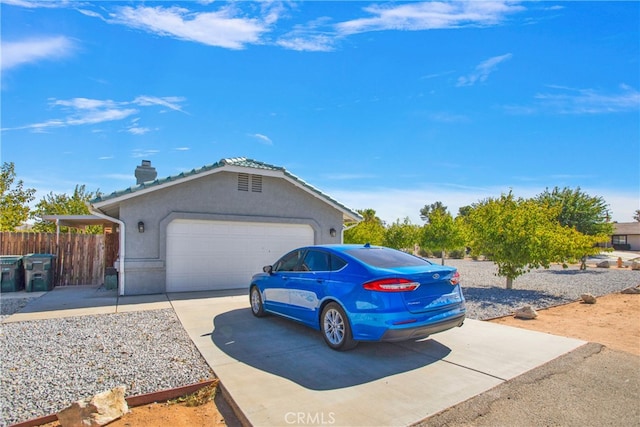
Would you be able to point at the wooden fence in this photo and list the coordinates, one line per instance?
(80, 258)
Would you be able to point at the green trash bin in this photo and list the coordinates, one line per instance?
(38, 272)
(12, 275)
(110, 278)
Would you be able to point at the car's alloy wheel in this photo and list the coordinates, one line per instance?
(336, 329)
(256, 302)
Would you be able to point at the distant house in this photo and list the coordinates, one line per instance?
(213, 227)
(626, 236)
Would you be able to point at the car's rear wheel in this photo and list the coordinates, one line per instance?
(336, 329)
(256, 302)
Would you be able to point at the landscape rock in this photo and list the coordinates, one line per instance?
(97, 411)
(632, 290)
(588, 298)
(526, 312)
(603, 264)
(635, 265)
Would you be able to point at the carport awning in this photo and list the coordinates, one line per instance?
(77, 221)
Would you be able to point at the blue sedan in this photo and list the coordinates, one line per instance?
(357, 293)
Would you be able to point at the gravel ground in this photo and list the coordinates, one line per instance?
(487, 296)
(47, 364)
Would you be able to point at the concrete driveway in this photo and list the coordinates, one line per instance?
(281, 373)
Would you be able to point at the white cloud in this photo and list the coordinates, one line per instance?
(222, 28)
(429, 16)
(482, 70)
(182, 148)
(565, 100)
(86, 111)
(143, 153)
(589, 101)
(263, 138)
(315, 43)
(171, 102)
(32, 50)
(137, 130)
(33, 4)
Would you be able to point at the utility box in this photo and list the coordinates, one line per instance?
(39, 272)
(110, 278)
(12, 273)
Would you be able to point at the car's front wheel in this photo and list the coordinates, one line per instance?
(256, 302)
(336, 329)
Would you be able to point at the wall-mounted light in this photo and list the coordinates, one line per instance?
(140, 227)
(332, 232)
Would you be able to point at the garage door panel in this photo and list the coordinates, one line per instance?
(206, 255)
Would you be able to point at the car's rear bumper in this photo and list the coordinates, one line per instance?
(422, 331)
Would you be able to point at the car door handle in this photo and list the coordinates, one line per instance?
(320, 280)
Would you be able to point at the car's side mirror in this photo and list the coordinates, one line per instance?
(267, 269)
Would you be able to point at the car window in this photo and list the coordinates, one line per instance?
(288, 262)
(386, 258)
(337, 263)
(316, 261)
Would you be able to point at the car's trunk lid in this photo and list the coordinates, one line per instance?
(435, 291)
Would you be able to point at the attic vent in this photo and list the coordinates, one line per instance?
(243, 182)
(256, 182)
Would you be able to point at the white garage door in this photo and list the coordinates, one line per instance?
(207, 255)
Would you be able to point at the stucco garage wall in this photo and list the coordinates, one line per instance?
(212, 197)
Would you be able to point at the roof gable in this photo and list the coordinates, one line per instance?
(236, 164)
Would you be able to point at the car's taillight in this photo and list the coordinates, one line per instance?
(455, 279)
(391, 285)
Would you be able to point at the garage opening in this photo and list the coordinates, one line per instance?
(214, 255)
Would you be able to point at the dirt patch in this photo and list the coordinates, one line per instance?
(612, 321)
(175, 415)
(197, 409)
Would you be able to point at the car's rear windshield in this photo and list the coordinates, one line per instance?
(386, 258)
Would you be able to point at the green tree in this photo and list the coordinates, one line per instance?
(369, 230)
(587, 214)
(464, 210)
(63, 204)
(441, 233)
(426, 211)
(401, 235)
(636, 215)
(520, 235)
(14, 199)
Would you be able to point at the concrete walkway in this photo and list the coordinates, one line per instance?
(280, 373)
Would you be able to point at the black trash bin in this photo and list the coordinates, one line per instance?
(39, 272)
(12, 274)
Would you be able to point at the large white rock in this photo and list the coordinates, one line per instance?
(97, 411)
(526, 312)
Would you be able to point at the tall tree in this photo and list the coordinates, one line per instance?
(587, 214)
(14, 199)
(369, 230)
(441, 233)
(401, 235)
(63, 204)
(427, 210)
(522, 234)
(636, 215)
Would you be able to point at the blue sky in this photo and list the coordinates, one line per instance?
(383, 105)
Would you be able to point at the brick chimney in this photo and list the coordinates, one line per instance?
(145, 172)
